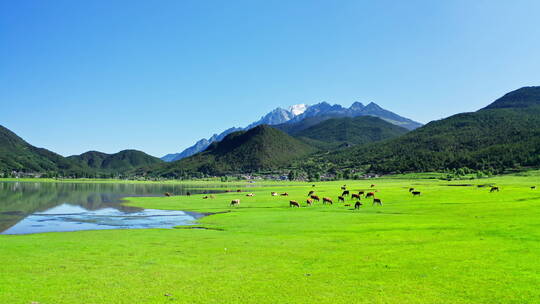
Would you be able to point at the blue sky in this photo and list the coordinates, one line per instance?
(159, 75)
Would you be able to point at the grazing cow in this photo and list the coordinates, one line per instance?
(238, 190)
(343, 187)
(341, 199)
(372, 185)
(361, 192)
(167, 194)
(377, 201)
(205, 197)
(310, 193)
(284, 194)
(315, 198)
(493, 189)
(235, 202)
(274, 193)
(250, 194)
(345, 193)
(415, 193)
(357, 205)
(294, 204)
(411, 189)
(354, 195)
(533, 188)
(327, 200)
(188, 193)
(370, 194)
(347, 205)
(309, 202)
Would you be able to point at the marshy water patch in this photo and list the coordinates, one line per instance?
(33, 207)
(73, 218)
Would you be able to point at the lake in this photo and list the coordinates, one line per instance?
(35, 207)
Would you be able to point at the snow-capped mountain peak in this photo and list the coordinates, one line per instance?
(298, 109)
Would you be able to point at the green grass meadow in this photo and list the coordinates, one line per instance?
(452, 244)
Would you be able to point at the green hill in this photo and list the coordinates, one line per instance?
(504, 135)
(18, 155)
(120, 162)
(347, 131)
(260, 148)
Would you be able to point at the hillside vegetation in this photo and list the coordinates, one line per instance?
(260, 148)
(118, 162)
(504, 135)
(18, 155)
(339, 132)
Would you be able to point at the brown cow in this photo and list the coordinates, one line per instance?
(357, 205)
(377, 201)
(341, 199)
(327, 200)
(493, 189)
(354, 195)
(284, 194)
(238, 190)
(167, 194)
(315, 198)
(235, 202)
(309, 202)
(415, 193)
(370, 194)
(294, 204)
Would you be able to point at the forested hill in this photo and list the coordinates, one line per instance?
(118, 162)
(503, 135)
(260, 148)
(18, 155)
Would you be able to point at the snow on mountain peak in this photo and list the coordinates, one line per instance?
(298, 109)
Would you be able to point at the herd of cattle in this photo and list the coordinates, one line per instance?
(312, 197)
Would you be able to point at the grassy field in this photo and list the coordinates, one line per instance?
(453, 244)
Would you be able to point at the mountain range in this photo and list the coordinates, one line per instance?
(266, 148)
(296, 114)
(501, 136)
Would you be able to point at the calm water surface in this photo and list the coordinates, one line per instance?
(34, 207)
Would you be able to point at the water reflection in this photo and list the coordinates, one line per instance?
(30, 207)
